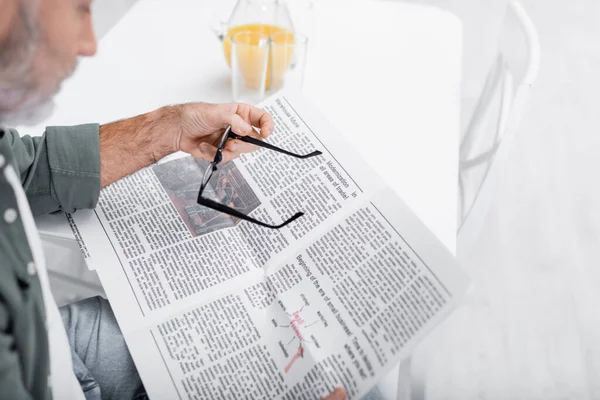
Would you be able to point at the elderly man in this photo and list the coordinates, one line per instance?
(77, 352)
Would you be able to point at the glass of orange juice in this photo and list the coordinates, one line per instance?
(249, 63)
(266, 29)
(287, 60)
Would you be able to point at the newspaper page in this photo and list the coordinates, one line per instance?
(214, 307)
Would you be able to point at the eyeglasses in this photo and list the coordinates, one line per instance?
(228, 134)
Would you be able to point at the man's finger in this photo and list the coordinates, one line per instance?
(205, 151)
(257, 117)
(251, 132)
(197, 153)
(237, 146)
(232, 149)
(229, 155)
(242, 123)
(337, 394)
(225, 114)
(240, 126)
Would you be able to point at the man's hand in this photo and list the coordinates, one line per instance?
(337, 394)
(132, 144)
(202, 125)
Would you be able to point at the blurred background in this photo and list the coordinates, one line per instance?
(531, 327)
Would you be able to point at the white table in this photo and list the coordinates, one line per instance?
(386, 74)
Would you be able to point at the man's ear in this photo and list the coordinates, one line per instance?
(8, 17)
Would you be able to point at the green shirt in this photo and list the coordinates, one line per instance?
(59, 171)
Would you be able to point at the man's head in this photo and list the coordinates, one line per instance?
(40, 41)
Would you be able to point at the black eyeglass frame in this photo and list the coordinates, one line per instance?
(229, 134)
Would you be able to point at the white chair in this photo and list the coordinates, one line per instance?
(485, 146)
(487, 140)
(70, 279)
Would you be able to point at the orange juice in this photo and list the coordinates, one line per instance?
(283, 60)
(283, 46)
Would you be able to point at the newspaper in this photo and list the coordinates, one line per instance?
(214, 307)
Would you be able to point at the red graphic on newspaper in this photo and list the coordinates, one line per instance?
(296, 323)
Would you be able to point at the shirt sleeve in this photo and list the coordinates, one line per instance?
(61, 169)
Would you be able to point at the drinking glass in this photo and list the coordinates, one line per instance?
(249, 62)
(264, 16)
(287, 60)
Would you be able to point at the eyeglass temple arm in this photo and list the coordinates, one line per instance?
(257, 142)
(234, 213)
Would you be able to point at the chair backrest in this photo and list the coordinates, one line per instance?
(486, 143)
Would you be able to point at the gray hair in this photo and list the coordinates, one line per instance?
(17, 55)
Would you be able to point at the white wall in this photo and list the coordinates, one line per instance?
(106, 13)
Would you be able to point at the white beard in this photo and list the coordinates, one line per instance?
(26, 99)
(29, 116)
